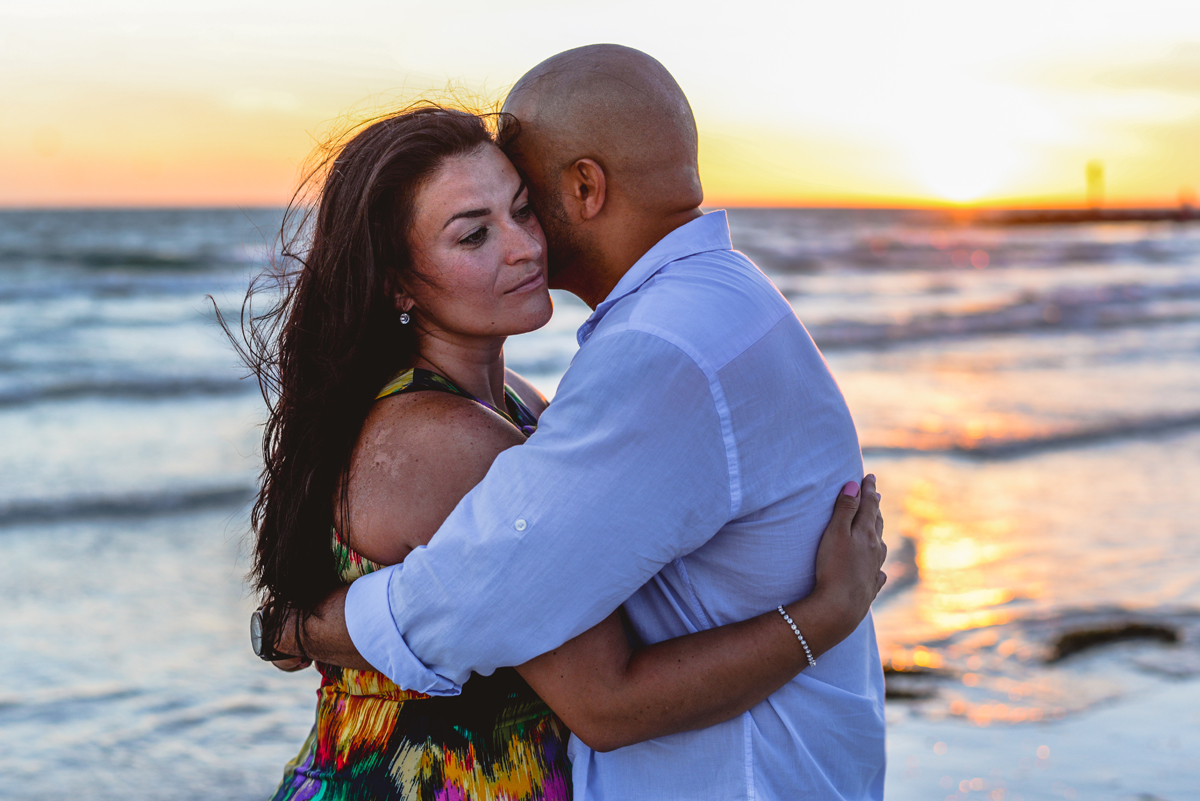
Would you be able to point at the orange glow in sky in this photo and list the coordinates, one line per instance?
(131, 102)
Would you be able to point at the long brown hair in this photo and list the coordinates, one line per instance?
(331, 336)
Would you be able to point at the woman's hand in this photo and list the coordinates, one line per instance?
(851, 554)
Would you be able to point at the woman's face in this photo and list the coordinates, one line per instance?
(479, 247)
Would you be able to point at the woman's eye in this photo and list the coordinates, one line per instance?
(523, 213)
(476, 237)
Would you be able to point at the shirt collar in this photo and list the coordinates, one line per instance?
(703, 234)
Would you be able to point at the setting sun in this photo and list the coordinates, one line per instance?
(961, 169)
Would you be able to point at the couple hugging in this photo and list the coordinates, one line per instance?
(649, 598)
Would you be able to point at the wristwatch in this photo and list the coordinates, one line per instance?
(262, 649)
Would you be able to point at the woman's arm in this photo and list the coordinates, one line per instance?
(611, 695)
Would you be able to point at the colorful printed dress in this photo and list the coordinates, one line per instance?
(497, 741)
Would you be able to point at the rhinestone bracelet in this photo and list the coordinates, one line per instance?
(811, 662)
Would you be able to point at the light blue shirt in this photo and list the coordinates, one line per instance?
(686, 468)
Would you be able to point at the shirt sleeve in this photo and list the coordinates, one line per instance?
(629, 469)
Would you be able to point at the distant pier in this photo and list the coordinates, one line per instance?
(1080, 216)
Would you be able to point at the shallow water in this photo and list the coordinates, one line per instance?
(1033, 413)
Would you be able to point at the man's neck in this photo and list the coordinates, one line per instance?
(594, 282)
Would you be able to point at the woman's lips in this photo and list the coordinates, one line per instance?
(532, 282)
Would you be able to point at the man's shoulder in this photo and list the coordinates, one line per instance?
(732, 264)
(714, 304)
(724, 282)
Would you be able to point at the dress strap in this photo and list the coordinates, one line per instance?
(417, 379)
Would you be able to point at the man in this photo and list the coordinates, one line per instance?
(685, 469)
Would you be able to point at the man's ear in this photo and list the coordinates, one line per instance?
(584, 189)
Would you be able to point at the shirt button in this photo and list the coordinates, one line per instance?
(520, 524)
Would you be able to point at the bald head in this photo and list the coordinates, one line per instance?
(619, 107)
(608, 143)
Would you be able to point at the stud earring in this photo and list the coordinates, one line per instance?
(405, 319)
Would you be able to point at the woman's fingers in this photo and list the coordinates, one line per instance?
(868, 508)
(868, 522)
(846, 507)
(852, 551)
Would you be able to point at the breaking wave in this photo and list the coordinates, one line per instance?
(1135, 428)
(1104, 307)
(122, 506)
(151, 389)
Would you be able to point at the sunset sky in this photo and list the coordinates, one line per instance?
(133, 102)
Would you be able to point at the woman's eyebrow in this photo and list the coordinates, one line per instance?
(480, 212)
(472, 213)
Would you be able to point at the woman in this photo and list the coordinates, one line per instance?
(392, 401)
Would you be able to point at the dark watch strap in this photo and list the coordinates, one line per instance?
(263, 649)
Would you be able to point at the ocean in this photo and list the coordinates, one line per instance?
(1028, 396)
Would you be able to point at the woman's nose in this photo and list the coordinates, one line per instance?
(524, 244)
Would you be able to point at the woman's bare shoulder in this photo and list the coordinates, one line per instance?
(526, 391)
(437, 415)
(418, 454)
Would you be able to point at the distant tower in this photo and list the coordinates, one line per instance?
(1095, 184)
(1187, 202)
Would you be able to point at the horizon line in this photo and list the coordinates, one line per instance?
(929, 205)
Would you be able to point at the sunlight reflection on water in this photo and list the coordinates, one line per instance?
(1015, 555)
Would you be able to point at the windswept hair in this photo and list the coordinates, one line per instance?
(331, 337)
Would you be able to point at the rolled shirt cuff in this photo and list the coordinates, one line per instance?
(374, 633)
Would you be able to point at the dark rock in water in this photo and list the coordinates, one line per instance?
(911, 683)
(1072, 642)
(908, 692)
(889, 671)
